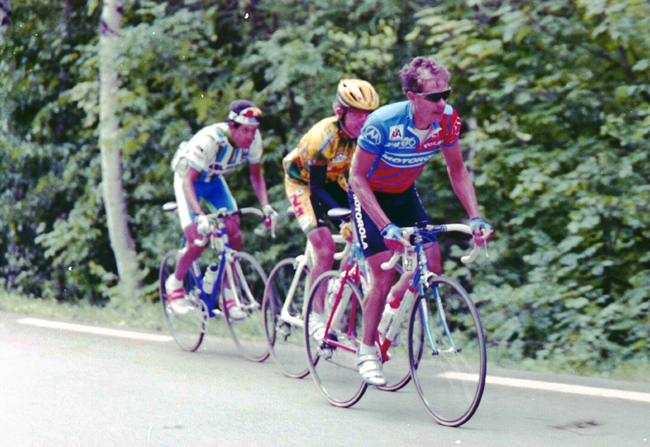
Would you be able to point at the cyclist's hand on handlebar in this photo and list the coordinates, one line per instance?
(393, 238)
(270, 215)
(482, 230)
(271, 218)
(346, 231)
(202, 225)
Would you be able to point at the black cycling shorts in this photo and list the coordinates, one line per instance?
(403, 209)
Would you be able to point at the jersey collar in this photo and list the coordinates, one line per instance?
(433, 128)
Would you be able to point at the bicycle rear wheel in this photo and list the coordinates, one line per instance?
(450, 375)
(187, 329)
(285, 336)
(249, 282)
(332, 361)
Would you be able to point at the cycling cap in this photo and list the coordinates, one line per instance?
(243, 111)
(357, 94)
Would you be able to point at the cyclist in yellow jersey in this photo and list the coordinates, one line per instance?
(314, 174)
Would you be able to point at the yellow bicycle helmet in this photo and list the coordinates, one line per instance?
(357, 94)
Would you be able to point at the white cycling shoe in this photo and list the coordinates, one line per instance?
(178, 302)
(370, 369)
(317, 326)
(234, 311)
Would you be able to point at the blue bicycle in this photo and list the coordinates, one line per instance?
(237, 271)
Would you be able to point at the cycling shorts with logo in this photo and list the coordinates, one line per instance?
(214, 194)
(309, 212)
(404, 209)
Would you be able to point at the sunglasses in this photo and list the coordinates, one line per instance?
(435, 97)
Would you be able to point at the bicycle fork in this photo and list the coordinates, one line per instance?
(241, 290)
(424, 321)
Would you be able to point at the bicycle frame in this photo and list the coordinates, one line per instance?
(303, 261)
(219, 243)
(196, 277)
(412, 260)
(354, 270)
(422, 275)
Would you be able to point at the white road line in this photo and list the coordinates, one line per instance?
(94, 330)
(557, 387)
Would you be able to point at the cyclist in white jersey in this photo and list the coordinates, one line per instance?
(199, 165)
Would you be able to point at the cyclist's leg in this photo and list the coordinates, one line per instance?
(376, 253)
(375, 299)
(320, 237)
(233, 228)
(192, 250)
(219, 196)
(323, 260)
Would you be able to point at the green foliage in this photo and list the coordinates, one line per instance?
(556, 93)
(554, 97)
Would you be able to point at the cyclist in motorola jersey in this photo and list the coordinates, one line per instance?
(199, 165)
(314, 175)
(395, 143)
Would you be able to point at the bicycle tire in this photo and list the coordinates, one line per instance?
(286, 339)
(250, 281)
(450, 383)
(188, 329)
(333, 367)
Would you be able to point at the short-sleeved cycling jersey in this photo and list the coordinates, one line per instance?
(390, 133)
(324, 144)
(212, 153)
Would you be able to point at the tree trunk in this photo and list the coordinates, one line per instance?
(113, 192)
(5, 18)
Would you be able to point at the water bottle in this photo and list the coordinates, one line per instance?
(392, 304)
(210, 278)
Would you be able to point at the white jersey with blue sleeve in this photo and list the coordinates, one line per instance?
(212, 153)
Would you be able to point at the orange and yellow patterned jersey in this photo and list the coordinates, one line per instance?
(324, 144)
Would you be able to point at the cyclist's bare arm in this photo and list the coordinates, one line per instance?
(463, 185)
(191, 175)
(259, 184)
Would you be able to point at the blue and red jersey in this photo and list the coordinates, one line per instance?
(390, 133)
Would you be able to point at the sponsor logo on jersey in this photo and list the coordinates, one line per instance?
(396, 132)
(430, 144)
(372, 134)
(409, 142)
(406, 161)
(340, 158)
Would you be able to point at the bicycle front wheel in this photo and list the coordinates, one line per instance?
(288, 285)
(447, 352)
(189, 328)
(332, 361)
(248, 291)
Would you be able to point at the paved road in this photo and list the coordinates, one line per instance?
(65, 388)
